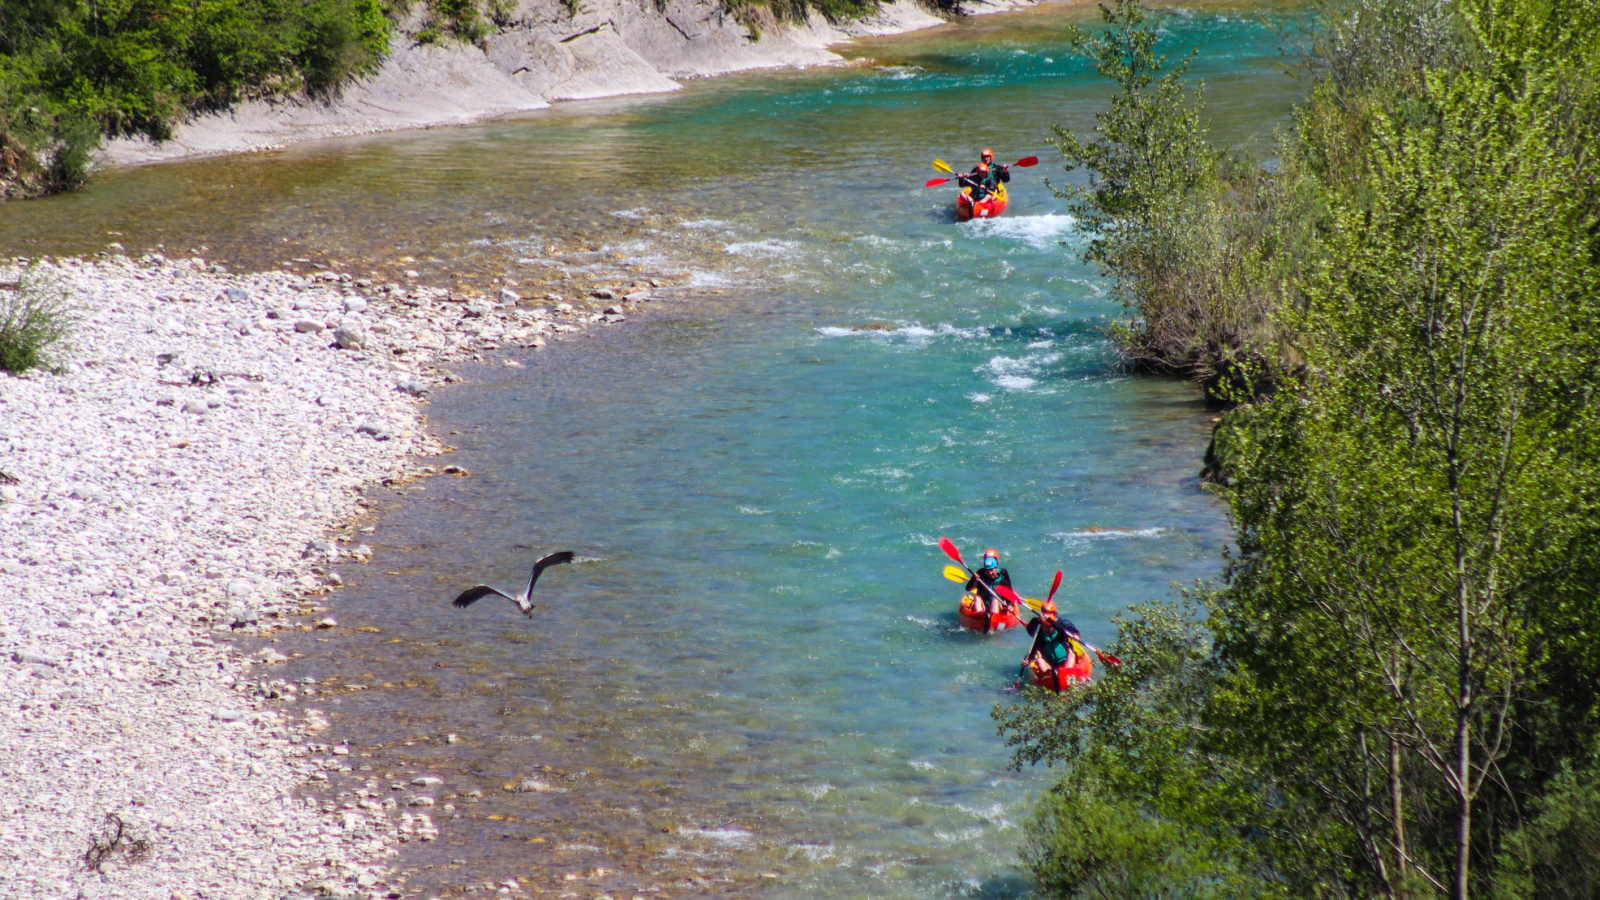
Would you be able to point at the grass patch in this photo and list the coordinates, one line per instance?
(36, 318)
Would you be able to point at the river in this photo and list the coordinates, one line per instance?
(752, 683)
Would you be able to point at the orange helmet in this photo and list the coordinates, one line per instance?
(986, 153)
(1048, 610)
(990, 553)
(983, 167)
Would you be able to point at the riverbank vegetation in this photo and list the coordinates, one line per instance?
(73, 72)
(1396, 690)
(37, 317)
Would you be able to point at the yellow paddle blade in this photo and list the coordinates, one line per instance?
(955, 574)
(942, 166)
(1032, 604)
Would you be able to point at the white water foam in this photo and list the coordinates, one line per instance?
(901, 73)
(1011, 374)
(753, 511)
(699, 278)
(817, 791)
(732, 836)
(814, 852)
(1106, 534)
(912, 333)
(702, 224)
(1038, 232)
(768, 247)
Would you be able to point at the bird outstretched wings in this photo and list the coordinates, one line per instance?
(554, 559)
(473, 594)
(523, 600)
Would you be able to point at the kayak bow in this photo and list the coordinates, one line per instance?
(987, 208)
(976, 622)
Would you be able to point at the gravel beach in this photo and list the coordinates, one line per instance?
(190, 473)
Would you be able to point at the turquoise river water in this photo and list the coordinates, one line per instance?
(753, 683)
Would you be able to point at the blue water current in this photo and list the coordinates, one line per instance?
(753, 683)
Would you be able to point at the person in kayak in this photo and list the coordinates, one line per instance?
(988, 174)
(1056, 647)
(979, 182)
(989, 576)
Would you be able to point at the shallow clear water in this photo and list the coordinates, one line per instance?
(753, 684)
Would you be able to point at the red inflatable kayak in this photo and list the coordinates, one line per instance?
(987, 208)
(974, 621)
(1061, 679)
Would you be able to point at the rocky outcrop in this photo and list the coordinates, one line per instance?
(547, 54)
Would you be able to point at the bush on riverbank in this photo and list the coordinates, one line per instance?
(1396, 692)
(72, 71)
(36, 318)
(1199, 243)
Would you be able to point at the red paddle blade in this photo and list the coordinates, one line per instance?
(950, 550)
(1025, 162)
(1109, 659)
(1053, 585)
(1007, 594)
(935, 182)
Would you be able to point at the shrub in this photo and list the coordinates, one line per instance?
(36, 317)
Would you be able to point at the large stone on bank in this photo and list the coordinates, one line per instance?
(351, 336)
(308, 326)
(233, 295)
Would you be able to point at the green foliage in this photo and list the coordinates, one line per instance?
(1087, 844)
(1553, 856)
(1137, 812)
(1195, 241)
(464, 20)
(1402, 693)
(71, 70)
(36, 318)
(835, 11)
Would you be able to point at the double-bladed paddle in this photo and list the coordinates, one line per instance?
(996, 592)
(942, 166)
(1109, 659)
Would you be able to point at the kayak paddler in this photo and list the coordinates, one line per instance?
(989, 175)
(1055, 644)
(989, 575)
(979, 182)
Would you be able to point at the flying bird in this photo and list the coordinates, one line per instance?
(523, 600)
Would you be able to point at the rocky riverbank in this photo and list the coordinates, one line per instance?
(192, 473)
(547, 51)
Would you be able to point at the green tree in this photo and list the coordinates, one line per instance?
(1402, 677)
(1193, 239)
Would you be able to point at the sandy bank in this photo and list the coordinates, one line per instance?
(189, 477)
(607, 48)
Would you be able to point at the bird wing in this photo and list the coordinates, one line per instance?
(473, 594)
(554, 559)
